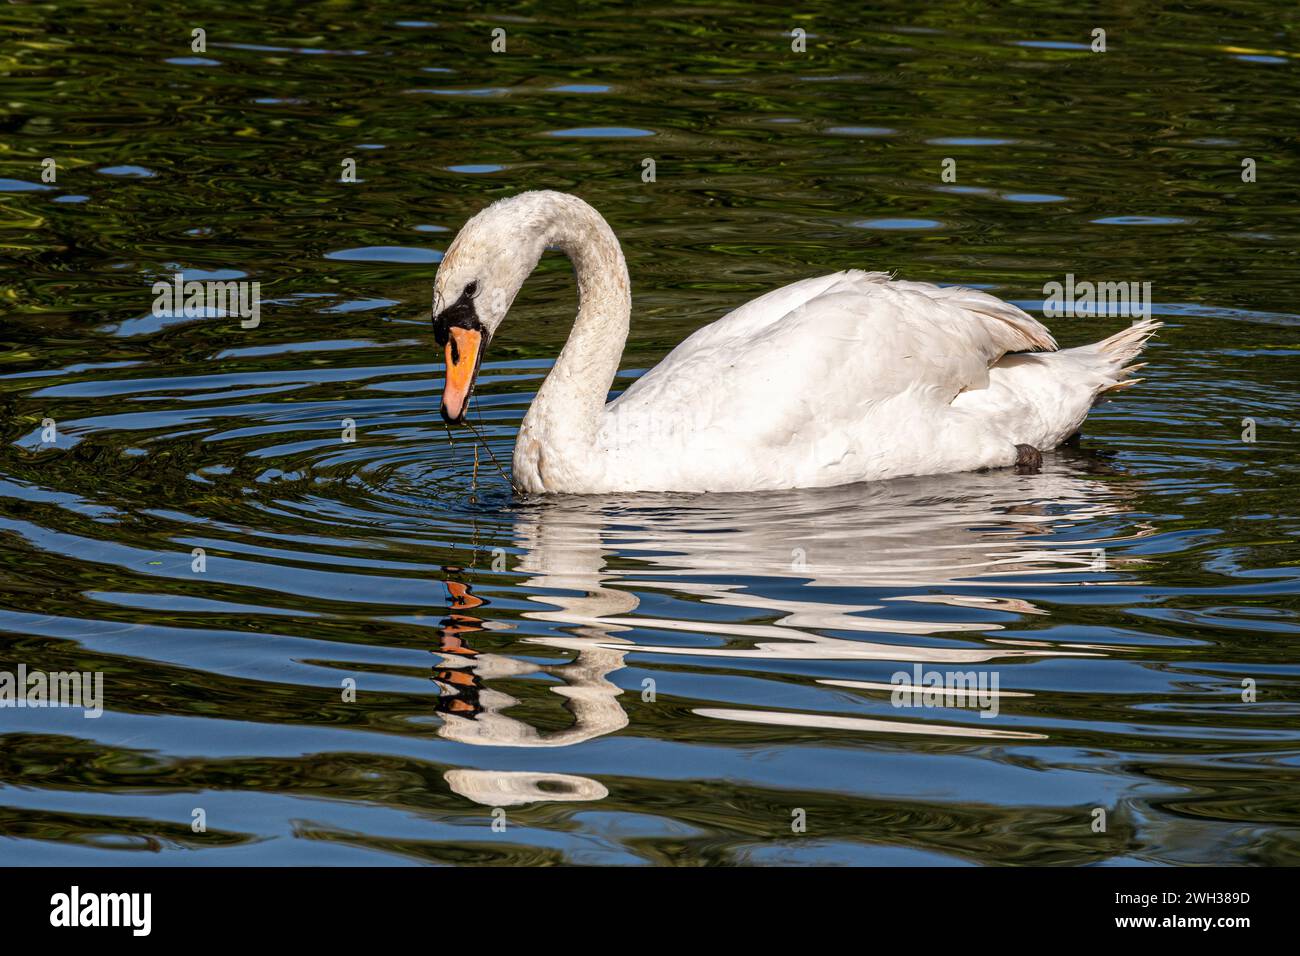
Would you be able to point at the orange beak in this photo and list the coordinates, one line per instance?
(464, 352)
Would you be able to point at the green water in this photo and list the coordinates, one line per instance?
(501, 648)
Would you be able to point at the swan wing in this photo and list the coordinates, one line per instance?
(826, 347)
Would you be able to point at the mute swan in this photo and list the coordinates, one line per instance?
(842, 378)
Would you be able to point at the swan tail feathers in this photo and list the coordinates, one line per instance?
(1121, 348)
(1127, 344)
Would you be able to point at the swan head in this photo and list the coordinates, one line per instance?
(478, 279)
(464, 337)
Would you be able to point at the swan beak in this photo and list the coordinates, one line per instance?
(464, 351)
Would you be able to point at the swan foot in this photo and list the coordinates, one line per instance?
(1029, 460)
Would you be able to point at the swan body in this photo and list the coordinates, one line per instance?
(842, 378)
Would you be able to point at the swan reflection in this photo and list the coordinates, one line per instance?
(512, 788)
(812, 562)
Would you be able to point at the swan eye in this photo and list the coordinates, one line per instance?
(460, 314)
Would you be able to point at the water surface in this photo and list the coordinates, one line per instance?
(657, 679)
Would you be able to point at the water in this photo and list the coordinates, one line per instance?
(501, 649)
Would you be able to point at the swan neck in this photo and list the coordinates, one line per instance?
(573, 395)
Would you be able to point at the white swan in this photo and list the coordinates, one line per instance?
(842, 378)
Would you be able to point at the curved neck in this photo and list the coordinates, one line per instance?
(567, 409)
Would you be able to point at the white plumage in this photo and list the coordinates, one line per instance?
(837, 379)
